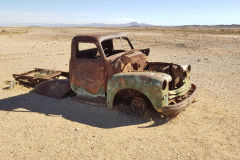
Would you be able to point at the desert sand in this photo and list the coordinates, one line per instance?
(36, 127)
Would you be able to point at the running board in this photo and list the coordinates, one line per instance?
(98, 101)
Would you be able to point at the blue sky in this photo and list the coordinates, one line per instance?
(157, 12)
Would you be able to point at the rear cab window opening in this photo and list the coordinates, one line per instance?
(87, 50)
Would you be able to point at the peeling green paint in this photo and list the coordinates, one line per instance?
(148, 83)
(82, 92)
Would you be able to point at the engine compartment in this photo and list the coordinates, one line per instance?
(177, 72)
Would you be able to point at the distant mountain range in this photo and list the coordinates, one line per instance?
(131, 24)
(220, 26)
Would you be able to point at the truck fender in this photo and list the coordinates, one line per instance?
(153, 85)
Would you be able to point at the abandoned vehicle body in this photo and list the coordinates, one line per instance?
(106, 69)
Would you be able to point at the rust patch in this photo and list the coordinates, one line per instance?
(87, 74)
(36, 76)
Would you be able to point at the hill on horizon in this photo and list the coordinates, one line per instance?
(130, 24)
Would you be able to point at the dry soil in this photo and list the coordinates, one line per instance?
(37, 127)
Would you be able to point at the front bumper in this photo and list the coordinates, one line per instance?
(176, 108)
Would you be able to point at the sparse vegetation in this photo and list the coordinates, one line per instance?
(9, 31)
(190, 29)
(209, 30)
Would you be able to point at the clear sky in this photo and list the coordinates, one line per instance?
(157, 12)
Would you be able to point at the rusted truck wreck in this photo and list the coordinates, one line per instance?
(106, 69)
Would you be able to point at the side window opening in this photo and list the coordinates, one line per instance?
(114, 46)
(87, 50)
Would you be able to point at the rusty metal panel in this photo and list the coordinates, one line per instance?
(36, 76)
(54, 88)
(98, 37)
(87, 74)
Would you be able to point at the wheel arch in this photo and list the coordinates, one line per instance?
(137, 94)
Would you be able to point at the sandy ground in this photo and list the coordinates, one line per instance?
(37, 127)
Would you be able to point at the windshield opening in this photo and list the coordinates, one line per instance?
(115, 46)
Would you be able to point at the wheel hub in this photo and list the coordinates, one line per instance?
(138, 105)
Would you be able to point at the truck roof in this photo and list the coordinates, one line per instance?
(97, 37)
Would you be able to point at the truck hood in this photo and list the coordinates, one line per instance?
(130, 61)
(146, 75)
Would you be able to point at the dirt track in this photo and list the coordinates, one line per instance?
(33, 126)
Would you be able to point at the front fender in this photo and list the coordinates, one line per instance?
(148, 83)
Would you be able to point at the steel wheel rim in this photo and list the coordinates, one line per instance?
(138, 105)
